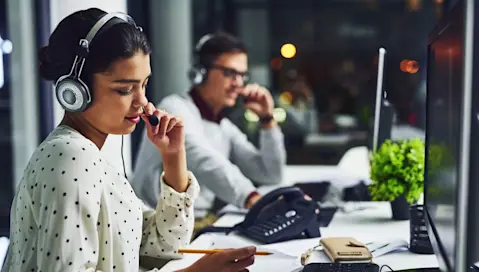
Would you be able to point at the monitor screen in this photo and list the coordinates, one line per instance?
(444, 93)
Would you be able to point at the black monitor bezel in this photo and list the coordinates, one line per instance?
(438, 246)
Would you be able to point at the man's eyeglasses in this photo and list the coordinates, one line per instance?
(232, 73)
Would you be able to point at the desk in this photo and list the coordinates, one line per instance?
(341, 139)
(372, 224)
(401, 132)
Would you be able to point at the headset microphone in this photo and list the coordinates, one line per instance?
(152, 119)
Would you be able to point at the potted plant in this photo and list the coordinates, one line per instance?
(397, 171)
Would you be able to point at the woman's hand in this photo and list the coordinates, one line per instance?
(168, 136)
(228, 260)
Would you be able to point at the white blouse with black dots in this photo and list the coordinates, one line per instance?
(75, 212)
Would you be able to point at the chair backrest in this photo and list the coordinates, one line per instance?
(355, 161)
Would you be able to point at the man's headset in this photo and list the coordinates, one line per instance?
(71, 92)
(198, 73)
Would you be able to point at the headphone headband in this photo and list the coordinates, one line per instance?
(202, 42)
(85, 43)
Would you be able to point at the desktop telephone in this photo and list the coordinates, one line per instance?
(281, 215)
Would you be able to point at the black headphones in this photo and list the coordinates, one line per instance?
(198, 73)
(71, 92)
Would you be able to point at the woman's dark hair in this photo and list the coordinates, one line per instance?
(220, 43)
(119, 41)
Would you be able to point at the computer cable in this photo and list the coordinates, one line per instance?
(385, 266)
(122, 159)
(154, 122)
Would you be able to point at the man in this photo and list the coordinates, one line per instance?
(218, 153)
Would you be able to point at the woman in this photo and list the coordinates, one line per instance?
(73, 211)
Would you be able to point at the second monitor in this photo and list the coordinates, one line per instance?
(452, 148)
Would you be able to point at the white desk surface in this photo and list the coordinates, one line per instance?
(353, 166)
(374, 224)
(398, 132)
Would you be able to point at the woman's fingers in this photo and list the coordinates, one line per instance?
(172, 123)
(163, 126)
(149, 109)
(240, 265)
(149, 128)
(239, 254)
(166, 121)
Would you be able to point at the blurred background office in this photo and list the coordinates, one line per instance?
(318, 58)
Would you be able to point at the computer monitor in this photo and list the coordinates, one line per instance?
(383, 110)
(452, 148)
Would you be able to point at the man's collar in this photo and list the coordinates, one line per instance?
(205, 110)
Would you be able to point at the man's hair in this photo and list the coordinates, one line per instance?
(220, 43)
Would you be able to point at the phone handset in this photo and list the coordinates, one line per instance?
(280, 215)
(288, 193)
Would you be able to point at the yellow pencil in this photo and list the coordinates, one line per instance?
(210, 251)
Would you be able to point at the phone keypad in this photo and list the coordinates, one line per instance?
(277, 224)
(269, 227)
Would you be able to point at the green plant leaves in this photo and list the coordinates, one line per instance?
(397, 168)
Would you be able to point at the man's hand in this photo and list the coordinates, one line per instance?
(259, 100)
(252, 200)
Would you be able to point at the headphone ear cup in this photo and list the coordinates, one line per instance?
(73, 95)
(197, 75)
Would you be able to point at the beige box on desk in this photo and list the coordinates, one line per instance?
(346, 250)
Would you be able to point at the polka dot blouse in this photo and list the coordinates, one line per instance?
(73, 211)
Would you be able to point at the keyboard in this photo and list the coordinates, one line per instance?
(326, 216)
(341, 267)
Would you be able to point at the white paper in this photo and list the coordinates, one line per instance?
(379, 248)
(287, 262)
(4, 242)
